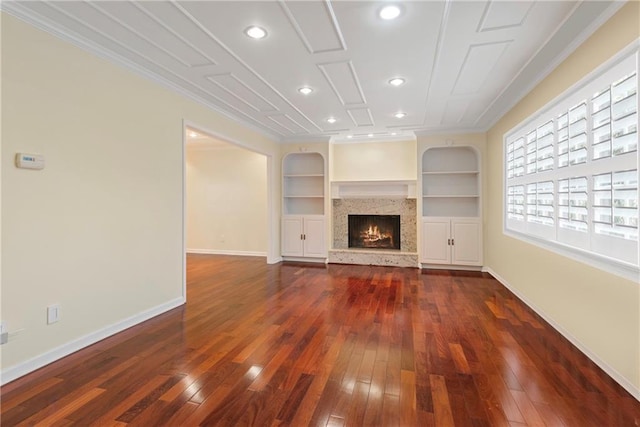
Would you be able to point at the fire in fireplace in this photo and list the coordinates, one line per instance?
(374, 231)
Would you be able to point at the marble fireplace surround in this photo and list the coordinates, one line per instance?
(407, 256)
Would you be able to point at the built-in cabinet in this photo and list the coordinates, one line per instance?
(456, 241)
(303, 196)
(303, 236)
(451, 223)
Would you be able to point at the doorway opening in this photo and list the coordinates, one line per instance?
(227, 207)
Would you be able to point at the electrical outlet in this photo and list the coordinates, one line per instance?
(53, 313)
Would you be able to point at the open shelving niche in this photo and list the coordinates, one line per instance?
(303, 179)
(450, 182)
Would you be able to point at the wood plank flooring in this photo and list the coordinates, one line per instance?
(297, 345)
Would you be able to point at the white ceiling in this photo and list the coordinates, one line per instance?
(465, 62)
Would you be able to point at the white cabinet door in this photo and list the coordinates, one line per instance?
(314, 237)
(467, 242)
(435, 241)
(303, 236)
(292, 231)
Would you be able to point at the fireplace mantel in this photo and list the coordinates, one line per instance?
(373, 189)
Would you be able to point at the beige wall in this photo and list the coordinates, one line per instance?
(599, 310)
(373, 161)
(99, 230)
(226, 201)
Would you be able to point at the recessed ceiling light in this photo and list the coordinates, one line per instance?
(349, 136)
(332, 120)
(394, 133)
(396, 81)
(370, 135)
(192, 134)
(256, 32)
(390, 12)
(305, 90)
(400, 115)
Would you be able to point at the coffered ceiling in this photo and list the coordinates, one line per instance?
(464, 63)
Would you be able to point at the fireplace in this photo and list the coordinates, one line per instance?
(374, 231)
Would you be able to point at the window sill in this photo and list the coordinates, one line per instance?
(621, 269)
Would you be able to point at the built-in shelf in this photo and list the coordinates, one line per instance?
(450, 182)
(303, 184)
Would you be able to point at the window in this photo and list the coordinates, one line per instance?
(571, 171)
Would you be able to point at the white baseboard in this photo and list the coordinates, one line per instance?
(21, 369)
(303, 259)
(275, 260)
(224, 252)
(426, 266)
(619, 378)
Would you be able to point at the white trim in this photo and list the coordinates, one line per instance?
(13, 372)
(453, 267)
(303, 259)
(273, 226)
(221, 136)
(373, 189)
(225, 252)
(620, 56)
(183, 152)
(42, 23)
(549, 238)
(619, 378)
(271, 215)
(522, 91)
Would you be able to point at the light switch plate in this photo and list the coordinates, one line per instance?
(53, 313)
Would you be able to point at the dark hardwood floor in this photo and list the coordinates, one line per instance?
(299, 345)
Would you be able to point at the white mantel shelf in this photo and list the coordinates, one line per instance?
(373, 189)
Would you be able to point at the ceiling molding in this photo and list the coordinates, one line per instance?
(347, 69)
(523, 82)
(361, 120)
(240, 61)
(17, 10)
(486, 56)
(436, 58)
(479, 59)
(177, 35)
(305, 139)
(242, 84)
(481, 27)
(301, 34)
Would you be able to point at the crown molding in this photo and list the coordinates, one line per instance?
(522, 85)
(17, 10)
(305, 139)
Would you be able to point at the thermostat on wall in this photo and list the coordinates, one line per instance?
(30, 161)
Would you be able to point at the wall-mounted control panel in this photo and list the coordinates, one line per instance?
(29, 161)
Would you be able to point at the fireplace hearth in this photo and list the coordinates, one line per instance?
(374, 231)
